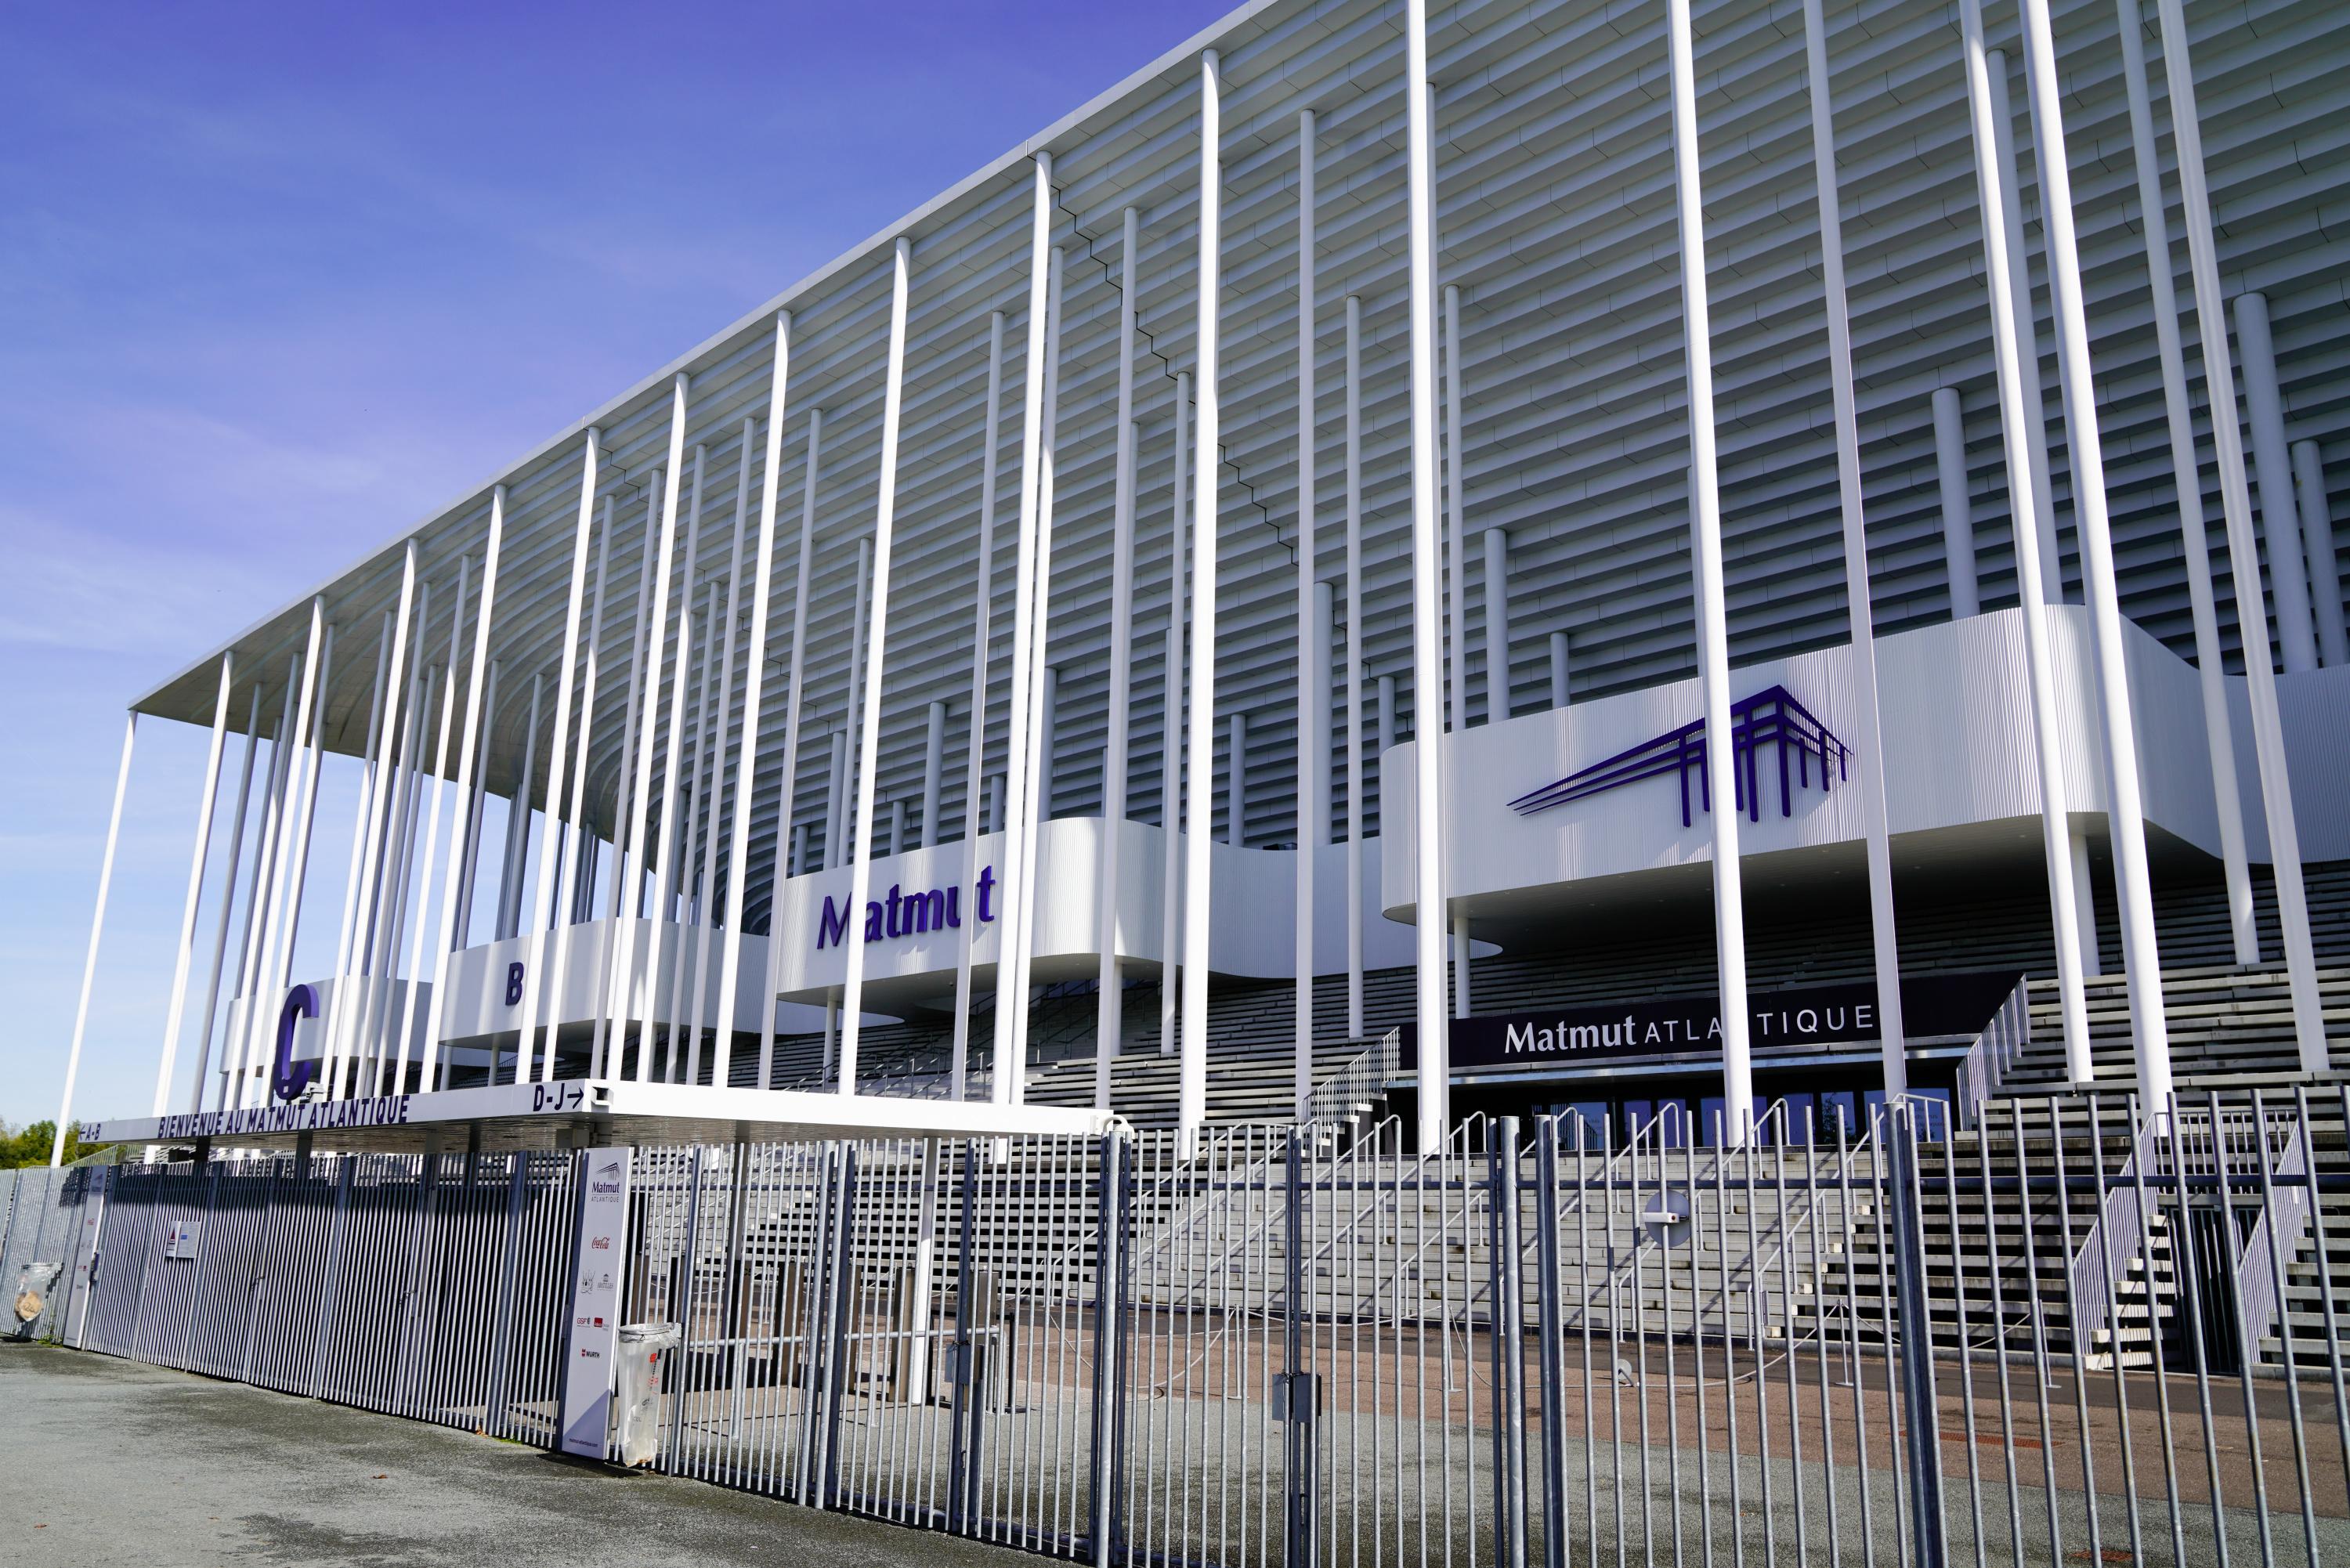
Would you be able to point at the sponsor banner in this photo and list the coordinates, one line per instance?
(1812, 1016)
(322, 1115)
(595, 1286)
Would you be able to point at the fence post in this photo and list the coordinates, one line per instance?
(962, 1417)
(838, 1375)
(1550, 1342)
(1916, 1328)
(1507, 1295)
(1298, 1399)
(1109, 1343)
(404, 1378)
(681, 1300)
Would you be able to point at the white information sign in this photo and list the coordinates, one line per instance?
(182, 1238)
(598, 1278)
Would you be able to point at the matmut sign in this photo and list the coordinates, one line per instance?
(899, 913)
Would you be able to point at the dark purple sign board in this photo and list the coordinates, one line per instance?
(1816, 1016)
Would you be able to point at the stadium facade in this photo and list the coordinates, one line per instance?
(1660, 560)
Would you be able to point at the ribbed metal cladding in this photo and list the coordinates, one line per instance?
(1553, 186)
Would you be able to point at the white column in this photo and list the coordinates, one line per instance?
(1037, 791)
(869, 728)
(796, 686)
(1312, 818)
(375, 766)
(1497, 624)
(1356, 772)
(2317, 540)
(1456, 541)
(1313, 647)
(626, 863)
(1197, 894)
(2244, 552)
(97, 929)
(287, 874)
(665, 848)
(705, 921)
(1958, 505)
(620, 1002)
(1048, 744)
(1712, 621)
(2026, 340)
(934, 762)
(1861, 613)
(898, 844)
(683, 1017)
(2085, 901)
(2133, 881)
(380, 796)
(1387, 742)
(1559, 669)
(518, 819)
(1428, 611)
(236, 1037)
(432, 825)
(1011, 1048)
(479, 818)
(464, 780)
(2187, 478)
(746, 757)
(836, 801)
(1109, 1011)
(2016, 432)
(558, 754)
(583, 876)
(1170, 738)
(2273, 471)
(195, 1100)
(207, 799)
(1236, 781)
(976, 750)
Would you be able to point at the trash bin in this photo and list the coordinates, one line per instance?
(642, 1350)
(29, 1299)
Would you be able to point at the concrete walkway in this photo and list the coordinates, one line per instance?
(107, 1460)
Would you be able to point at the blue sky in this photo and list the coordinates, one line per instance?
(275, 279)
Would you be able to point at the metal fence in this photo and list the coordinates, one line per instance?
(2063, 1335)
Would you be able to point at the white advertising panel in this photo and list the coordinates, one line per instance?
(598, 1280)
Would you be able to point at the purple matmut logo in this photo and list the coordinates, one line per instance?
(1770, 717)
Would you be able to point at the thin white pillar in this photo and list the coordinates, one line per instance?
(2187, 480)
(2243, 549)
(746, 757)
(2317, 540)
(583, 875)
(2273, 471)
(2133, 880)
(705, 921)
(836, 801)
(464, 780)
(2085, 901)
(432, 827)
(1191, 1076)
(795, 688)
(1109, 1011)
(236, 1037)
(1313, 646)
(684, 1015)
(1958, 505)
(869, 750)
(378, 796)
(2016, 432)
(1428, 611)
(621, 891)
(1456, 539)
(1712, 621)
(1860, 616)
(666, 848)
(621, 1001)
(934, 762)
(566, 675)
(518, 825)
(287, 874)
(1170, 738)
(479, 815)
(97, 929)
(207, 799)
(975, 749)
(1042, 681)
(196, 1101)
(1356, 772)
(1560, 669)
(1388, 732)
(2026, 341)
(374, 782)
(1048, 744)
(1236, 781)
